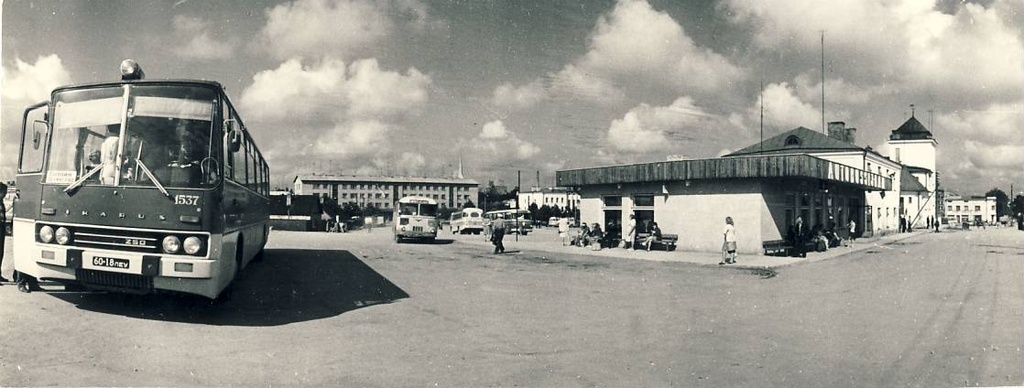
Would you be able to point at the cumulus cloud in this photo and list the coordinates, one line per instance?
(354, 139)
(32, 82)
(23, 85)
(784, 109)
(637, 47)
(197, 40)
(334, 110)
(373, 92)
(511, 97)
(310, 28)
(909, 45)
(500, 145)
(993, 139)
(579, 83)
(329, 90)
(647, 129)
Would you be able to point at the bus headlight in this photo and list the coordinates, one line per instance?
(63, 235)
(46, 234)
(171, 244)
(193, 244)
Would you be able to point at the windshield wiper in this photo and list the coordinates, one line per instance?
(152, 177)
(74, 185)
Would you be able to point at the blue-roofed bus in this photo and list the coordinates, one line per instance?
(138, 186)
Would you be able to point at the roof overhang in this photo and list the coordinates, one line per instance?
(750, 167)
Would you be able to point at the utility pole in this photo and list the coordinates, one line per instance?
(519, 187)
(823, 130)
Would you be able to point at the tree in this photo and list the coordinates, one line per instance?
(469, 203)
(1017, 205)
(1001, 200)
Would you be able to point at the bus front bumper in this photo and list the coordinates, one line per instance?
(132, 263)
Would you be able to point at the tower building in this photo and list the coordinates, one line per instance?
(914, 147)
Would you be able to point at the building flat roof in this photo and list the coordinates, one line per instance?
(385, 179)
(744, 167)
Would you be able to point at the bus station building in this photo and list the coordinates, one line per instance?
(826, 180)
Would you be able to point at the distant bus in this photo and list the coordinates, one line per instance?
(138, 186)
(468, 220)
(416, 217)
(515, 221)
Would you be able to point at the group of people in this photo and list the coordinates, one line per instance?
(594, 237)
(818, 238)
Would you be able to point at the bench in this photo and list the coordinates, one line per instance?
(776, 248)
(786, 248)
(667, 241)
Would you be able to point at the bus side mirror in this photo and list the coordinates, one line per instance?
(233, 134)
(38, 127)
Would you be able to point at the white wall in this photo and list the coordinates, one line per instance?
(696, 213)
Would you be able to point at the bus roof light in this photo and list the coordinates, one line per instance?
(130, 70)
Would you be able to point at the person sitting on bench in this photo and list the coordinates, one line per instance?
(654, 237)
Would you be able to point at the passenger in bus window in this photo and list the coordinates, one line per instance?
(108, 155)
(95, 160)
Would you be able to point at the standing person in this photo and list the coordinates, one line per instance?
(3, 227)
(497, 235)
(729, 242)
(799, 234)
(632, 232)
(563, 230)
(853, 231)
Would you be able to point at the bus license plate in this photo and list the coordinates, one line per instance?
(110, 262)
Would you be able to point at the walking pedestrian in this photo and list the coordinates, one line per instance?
(563, 230)
(729, 243)
(853, 232)
(497, 235)
(3, 227)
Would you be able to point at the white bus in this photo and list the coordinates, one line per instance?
(416, 217)
(468, 220)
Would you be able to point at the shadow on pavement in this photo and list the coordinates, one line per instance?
(288, 286)
(437, 241)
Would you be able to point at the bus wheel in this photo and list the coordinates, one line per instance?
(398, 239)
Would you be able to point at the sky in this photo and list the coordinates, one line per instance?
(517, 89)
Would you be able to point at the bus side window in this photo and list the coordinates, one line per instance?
(34, 136)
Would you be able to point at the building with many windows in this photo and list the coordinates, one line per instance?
(973, 209)
(550, 196)
(382, 192)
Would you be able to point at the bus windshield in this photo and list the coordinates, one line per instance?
(417, 209)
(168, 138)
